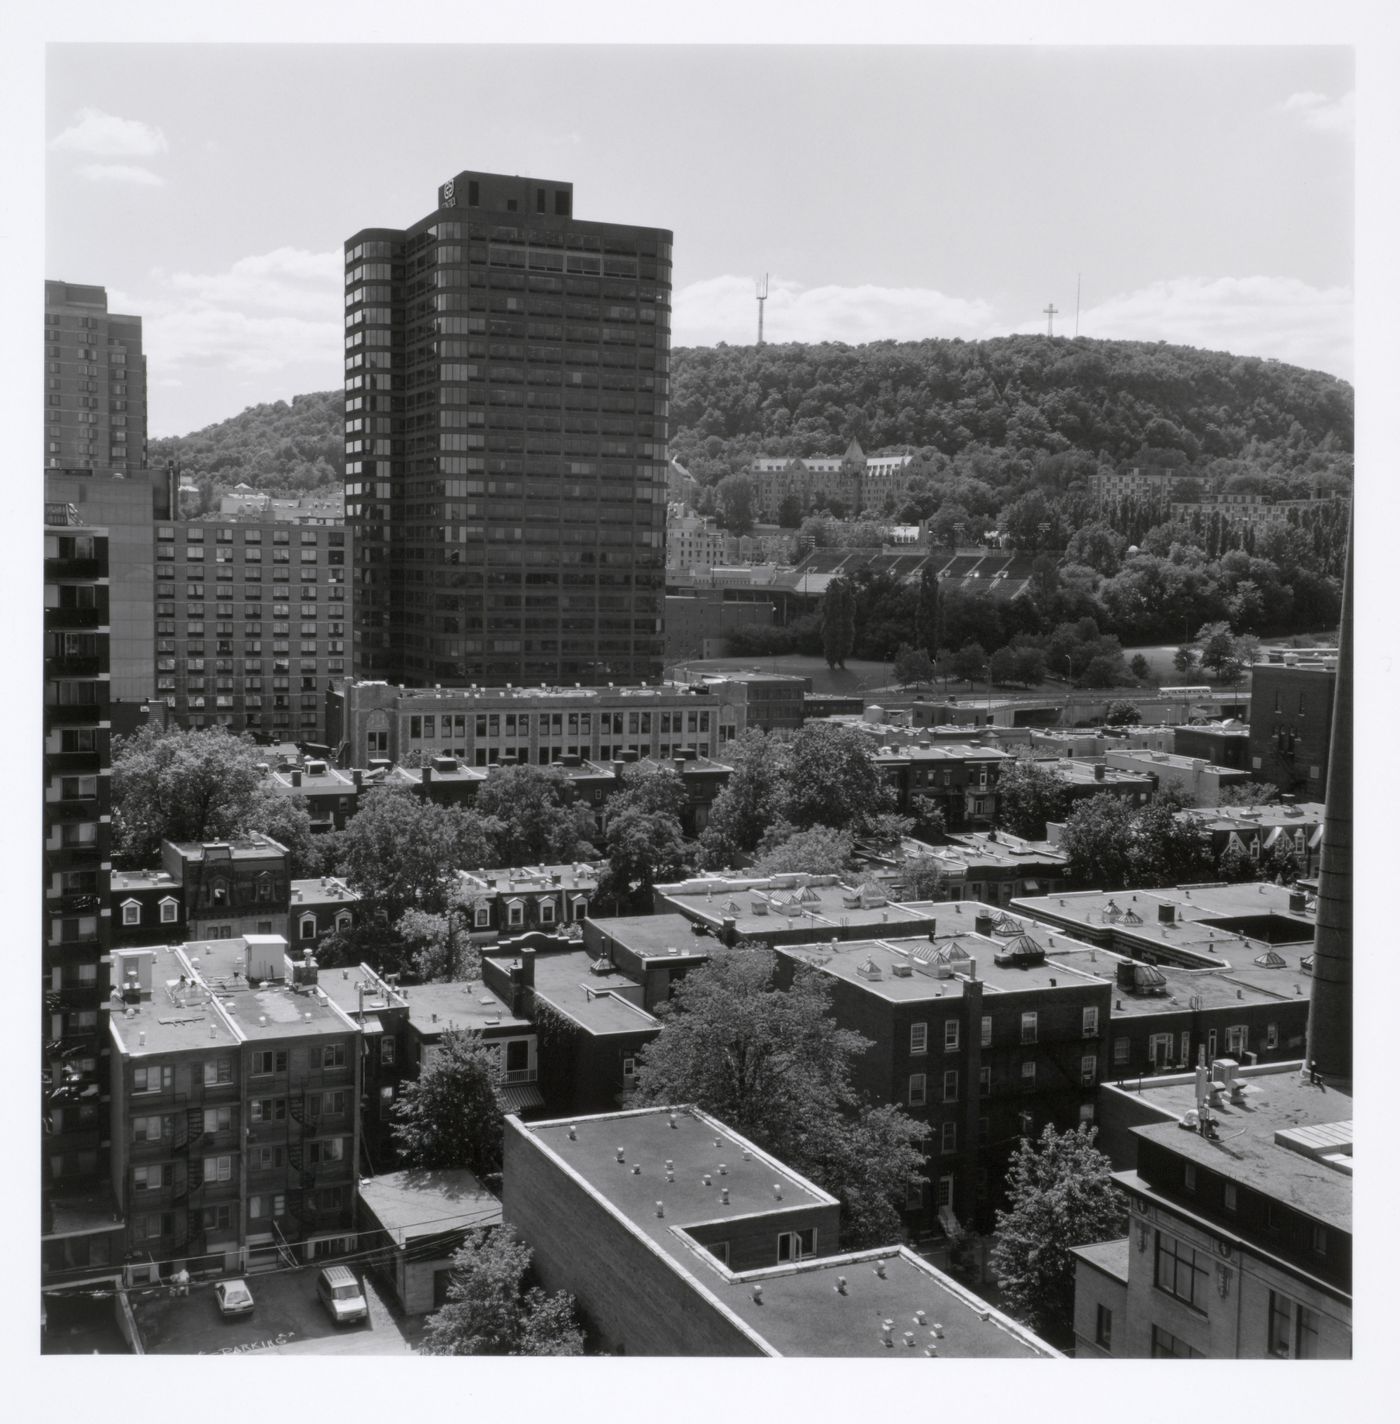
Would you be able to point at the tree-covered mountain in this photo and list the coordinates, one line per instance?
(1010, 414)
(280, 449)
(996, 409)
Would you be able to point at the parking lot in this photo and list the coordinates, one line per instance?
(287, 1319)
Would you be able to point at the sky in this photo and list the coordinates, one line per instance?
(1200, 195)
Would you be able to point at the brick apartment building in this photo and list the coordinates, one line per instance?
(1290, 724)
(251, 624)
(235, 1088)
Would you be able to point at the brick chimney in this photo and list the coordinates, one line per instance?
(1329, 1009)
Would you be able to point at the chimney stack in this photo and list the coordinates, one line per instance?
(1329, 1011)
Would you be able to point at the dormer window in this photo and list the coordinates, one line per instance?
(483, 917)
(169, 911)
(343, 920)
(131, 912)
(307, 926)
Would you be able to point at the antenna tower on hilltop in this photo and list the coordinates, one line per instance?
(761, 291)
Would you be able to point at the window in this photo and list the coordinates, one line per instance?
(1166, 1346)
(1159, 1050)
(984, 1082)
(267, 1110)
(1091, 1022)
(1181, 1271)
(131, 912)
(1231, 1197)
(219, 1218)
(1317, 1240)
(986, 1031)
(918, 1038)
(387, 1051)
(952, 1035)
(216, 1071)
(482, 918)
(1089, 1070)
(794, 1245)
(1188, 1177)
(1103, 1328)
(918, 1090)
(1292, 1329)
(1237, 1040)
(328, 1149)
(307, 926)
(265, 1207)
(1271, 1035)
(148, 1129)
(152, 1080)
(334, 1104)
(333, 1056)
(267, 1159)
(148, 1179)
(218, 1119)
(515, 912)
(546, 912)
(950, 1086)
(1029, 1027)
(1028, 1073)
(949, 1141)
(218, 1169)
(269, 1060)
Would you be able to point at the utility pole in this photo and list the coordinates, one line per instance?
(1050, 312)
(761, 290)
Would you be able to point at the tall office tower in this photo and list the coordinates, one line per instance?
(94, 383)
(76, 888)
(506, 386)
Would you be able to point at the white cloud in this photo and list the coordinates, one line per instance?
(120, 173)
(107, 136)
(1322, 114)
(725, 309)
(1280, 317)
(276, 316)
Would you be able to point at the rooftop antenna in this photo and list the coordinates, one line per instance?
(1050, 311)
(761, 291)
(1078, 279)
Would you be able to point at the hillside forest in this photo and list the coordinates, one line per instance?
(1006, 435)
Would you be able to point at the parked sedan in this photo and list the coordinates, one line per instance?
(234, 1298)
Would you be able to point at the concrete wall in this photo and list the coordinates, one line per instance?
(633, 1296)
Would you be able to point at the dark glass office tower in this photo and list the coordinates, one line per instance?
(506, 384)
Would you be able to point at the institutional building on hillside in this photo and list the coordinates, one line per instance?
(506, 388)
(94, 383)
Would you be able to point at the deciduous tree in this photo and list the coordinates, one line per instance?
(772, 1064)
(1061, 1194)
(817, 851)
(449, 1116)
(535, 819)
(1029, 795)
(489, 1309)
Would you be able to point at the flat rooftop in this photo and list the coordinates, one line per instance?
(1110, 1257)
(532, 879)
(1174, 761)
(852, 960)
(274, 1010)
(325, 890)
(414, 1204)
(697, 1145)
(756, 910)
(466, 1005)
(803, 1314)
(1086, 773)
(249, 848)
(1245, 1152)
(942, 751)
(142, 880)
(599, 1003)
(667, 936)
(1242, 818)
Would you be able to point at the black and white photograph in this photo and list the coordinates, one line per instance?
(698, 696)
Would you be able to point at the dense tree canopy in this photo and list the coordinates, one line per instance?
(1061, 1194)
(1029, 795)
(1113, 845)
(449, 1115)
(772, 1064)
(534, 817)
(491, 1311)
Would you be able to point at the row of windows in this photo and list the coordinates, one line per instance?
(917, 1092)
(1029, 1031)
(160, 1078)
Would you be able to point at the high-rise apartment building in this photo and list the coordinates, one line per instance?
(76, 883)
(250, 623)
(506, 386)
(94, 383)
